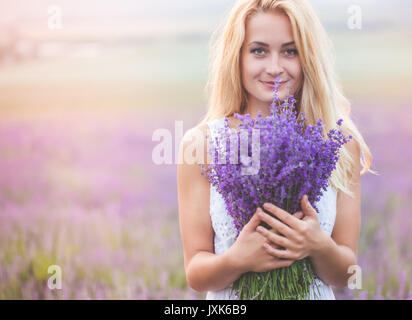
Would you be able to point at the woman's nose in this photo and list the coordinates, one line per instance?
(274, 66)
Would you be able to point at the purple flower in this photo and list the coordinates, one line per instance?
(293, 160)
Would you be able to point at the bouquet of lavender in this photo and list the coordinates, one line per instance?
(281, 159)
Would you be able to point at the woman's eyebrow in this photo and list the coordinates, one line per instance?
(266, 45)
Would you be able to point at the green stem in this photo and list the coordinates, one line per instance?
(285, 283)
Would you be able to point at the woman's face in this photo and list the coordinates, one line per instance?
(267, 53)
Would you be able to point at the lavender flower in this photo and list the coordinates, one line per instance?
(294, 160)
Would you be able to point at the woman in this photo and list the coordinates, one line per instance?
(263, 40)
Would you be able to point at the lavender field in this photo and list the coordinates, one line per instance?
(79, 188)
(85, 195)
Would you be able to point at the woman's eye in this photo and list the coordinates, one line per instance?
(291, 52)
(257, 50)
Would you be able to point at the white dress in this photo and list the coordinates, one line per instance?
(225, 232)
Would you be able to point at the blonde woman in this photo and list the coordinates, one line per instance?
(260, 41)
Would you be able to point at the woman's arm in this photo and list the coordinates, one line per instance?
(212, 272)
(205, 270)
(331, 262)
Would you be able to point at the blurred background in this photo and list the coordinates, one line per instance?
(83, 86)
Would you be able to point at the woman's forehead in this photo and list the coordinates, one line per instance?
(258, 28)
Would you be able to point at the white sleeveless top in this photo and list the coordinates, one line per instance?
(225, 232)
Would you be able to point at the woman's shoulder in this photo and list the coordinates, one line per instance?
(198, 131)
(203, 128)
(193, 145)
(231, 120)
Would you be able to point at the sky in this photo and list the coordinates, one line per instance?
(139, 16)
(91, 9)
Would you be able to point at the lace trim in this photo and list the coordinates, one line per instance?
(326, 226)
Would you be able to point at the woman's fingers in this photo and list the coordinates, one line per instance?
(299, 214)
(274, 237)
(281, 254)
(285, 217)
(273, 244)
(276, 224)
(282, 263)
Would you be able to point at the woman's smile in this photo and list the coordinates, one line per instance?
(271, 84)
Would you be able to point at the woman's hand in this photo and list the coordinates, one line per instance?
(300, 238)
(249, 251)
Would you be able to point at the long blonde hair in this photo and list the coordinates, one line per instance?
(320, 96)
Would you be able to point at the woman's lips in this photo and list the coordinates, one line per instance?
(271, 84)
